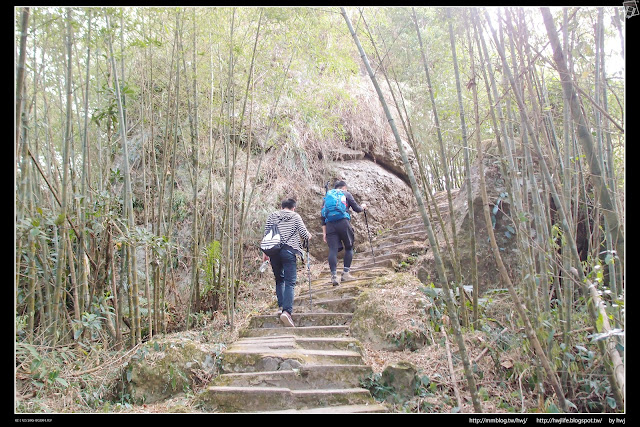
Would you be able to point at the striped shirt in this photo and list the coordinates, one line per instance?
(291, 226)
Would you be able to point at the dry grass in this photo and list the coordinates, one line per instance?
(496, 371)
(91, 375)
(498, 377)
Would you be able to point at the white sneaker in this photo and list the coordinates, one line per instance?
(285, 318)
(346, 277)
(334, 280)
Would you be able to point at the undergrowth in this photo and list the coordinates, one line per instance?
(508, 378)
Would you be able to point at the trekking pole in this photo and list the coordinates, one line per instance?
(369, 234)
(309, 273)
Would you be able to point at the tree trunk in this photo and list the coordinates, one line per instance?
(467, 167)
(584, 136)
(60, 266)
(24, 27)
(128, 201)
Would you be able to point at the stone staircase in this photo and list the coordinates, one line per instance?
(317, 366)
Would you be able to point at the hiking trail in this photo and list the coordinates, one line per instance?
(315, 367)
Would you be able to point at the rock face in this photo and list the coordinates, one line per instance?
(375, 176)
(386, 195)
(501, 208)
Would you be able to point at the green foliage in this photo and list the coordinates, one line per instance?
(200, 319)
(424, 388)
(437, 308)
(376, 386)
(44, 365)
(210, 265)
(483, 394)
(90, 322)
(212, 289)
(406, 263)
(409, 339)
(180, 209)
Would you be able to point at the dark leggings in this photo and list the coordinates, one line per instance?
(339, 236)
(333, 259)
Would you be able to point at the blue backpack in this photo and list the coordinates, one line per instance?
(335, 206)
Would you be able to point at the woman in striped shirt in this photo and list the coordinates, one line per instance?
(284, 264)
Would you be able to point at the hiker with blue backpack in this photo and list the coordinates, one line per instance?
(336, 228)
(284, 233)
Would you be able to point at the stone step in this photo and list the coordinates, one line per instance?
(301, 319)
(342, 409)
(323, 282)
(263, 359)
(305, 331)
(306, 377)
(362, 268)
(388, 260)
(325, 276)
(407, 247)
(256, 399)
(443, 205)
(416, 219)
(367, 259)
(367, 264)
(344, 305)
(394, 236)
(292, 341)
(327, 291)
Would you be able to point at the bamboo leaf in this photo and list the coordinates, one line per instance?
(62, 381)
(599, 323)
(605, 335)
(571, 404)
(60, 219)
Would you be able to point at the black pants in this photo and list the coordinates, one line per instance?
(340, 236)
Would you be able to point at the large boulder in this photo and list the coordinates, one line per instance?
(386, 195)
(164, 367)
(402, 377)
(391, 315)
(369, 161)
(503, 214)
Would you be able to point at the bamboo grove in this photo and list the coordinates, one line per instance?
(146, 139)
(107, 94)
(546, 299)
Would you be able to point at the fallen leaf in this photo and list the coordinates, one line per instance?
(507, 364)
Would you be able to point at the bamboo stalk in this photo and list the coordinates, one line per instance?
(454, 380)
(128, 198)
(584, 136)
(20, 68)
(416, 191)
(531, 335)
